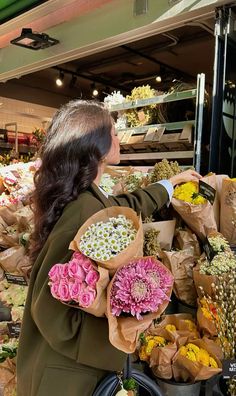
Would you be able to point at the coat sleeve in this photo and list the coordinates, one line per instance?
(146, 200)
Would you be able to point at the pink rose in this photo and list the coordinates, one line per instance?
(63, 290)
(84, 261)
(64, 271)
(54, 273)
(54, 290)
(75, 288)
(92, 277)
(87, 297)
(75, 270)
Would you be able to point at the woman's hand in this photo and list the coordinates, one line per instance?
(184, 177)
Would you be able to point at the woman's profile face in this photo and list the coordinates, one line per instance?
(113, 156)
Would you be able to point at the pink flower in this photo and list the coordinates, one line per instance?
(55, 272)
(63, 290)
(140, 287)
(54, 289)
(85, 262)
(75, 270)
(75, 287)
(64, 271)
(87, 297)
(92, 277)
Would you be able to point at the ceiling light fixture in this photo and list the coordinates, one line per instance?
(33, 40)
(95, 90)
(59, 80)
(158, 79)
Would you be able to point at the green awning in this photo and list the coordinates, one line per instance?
(11, 8)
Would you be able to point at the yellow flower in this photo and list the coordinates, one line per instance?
(142, 353)
(204, 357)
(193, 347)
(170, 327)
(148, 338)
(191, 325)
(160, 341)
(188, 192)
(234, 179)
(212, 363)
(206, 313)
(183, 350)
(191, 356)
(149, 347)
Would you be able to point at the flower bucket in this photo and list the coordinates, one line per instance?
(172, 388)
(220, 389)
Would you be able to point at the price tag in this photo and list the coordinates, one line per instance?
(14, 329)
(229, 368)
(16, 279)
(207, 191)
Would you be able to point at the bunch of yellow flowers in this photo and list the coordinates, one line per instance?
(196, 354)
(150, 342)
(189, 192)
(209, 310)
(189, 324)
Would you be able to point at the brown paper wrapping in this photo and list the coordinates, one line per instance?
(200, 218)
(212, 181)
(8, 214)
(124, 332)
(14, 260)
(228, 210)
(24, 217)
(185, 239)
(134, 249)
(161, 357)
(99, 306)
(204, 281)
(166, 232)
(215, 347)
(206, 325)
(183, 334)
(181, 264)
(186, 370)
(8, 376)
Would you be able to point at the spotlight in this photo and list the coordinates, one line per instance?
(95, 90)
(33, 40)
(59, 80)
(158, 79)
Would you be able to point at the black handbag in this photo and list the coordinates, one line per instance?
(109, 386)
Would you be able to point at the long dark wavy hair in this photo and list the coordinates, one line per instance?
(78, 139)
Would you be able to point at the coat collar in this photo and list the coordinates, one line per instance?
(107, 202)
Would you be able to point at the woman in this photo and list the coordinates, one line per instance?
(62, 350)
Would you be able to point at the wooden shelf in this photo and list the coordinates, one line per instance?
(157, 155)
(169, 126)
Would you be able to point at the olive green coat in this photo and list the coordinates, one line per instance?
(62, 350)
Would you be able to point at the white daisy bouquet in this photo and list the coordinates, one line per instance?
(110, 237)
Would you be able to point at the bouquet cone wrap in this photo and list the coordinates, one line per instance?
(166, 232)
(181, 264)
(8, 377)
(161, 357)
(183, 333)
(14, 259)
(134, 249)
(124, 332)
(186, 370)
(200, 218)
(207, 326)
(204, 281)
(228, 210)
(215, 347)
(185, 239)
(212, 181)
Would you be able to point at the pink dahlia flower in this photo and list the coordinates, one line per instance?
(140, 287)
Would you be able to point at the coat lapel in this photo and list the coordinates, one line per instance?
(107, 202)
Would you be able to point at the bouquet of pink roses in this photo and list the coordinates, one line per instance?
(138, 293)
(80, 283)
